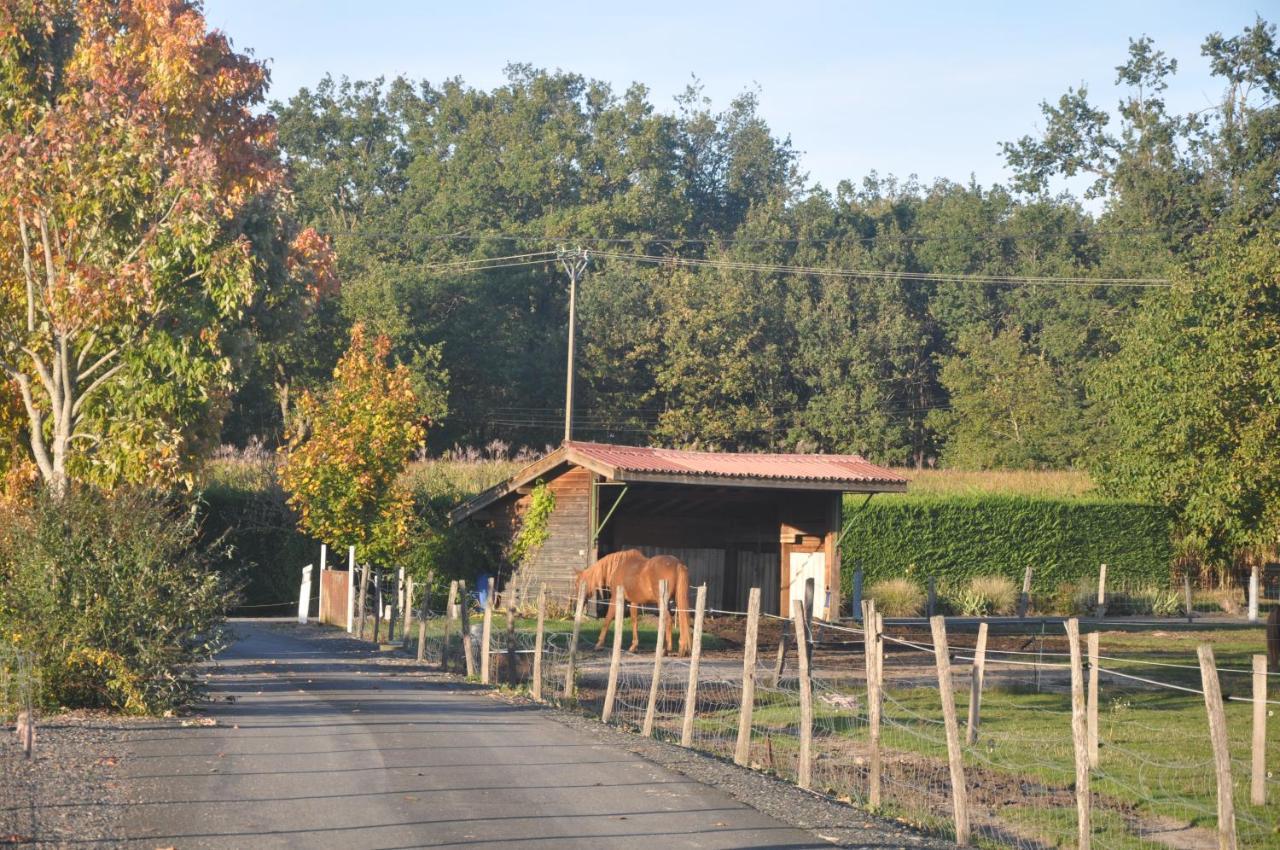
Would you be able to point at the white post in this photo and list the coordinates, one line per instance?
(351, 589)
(1253, 594)
(324, 565)
(304, 595)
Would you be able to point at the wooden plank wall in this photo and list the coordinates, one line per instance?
(568, 545)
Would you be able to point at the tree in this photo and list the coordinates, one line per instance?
(142, 219)
(1009, 407)
(350, 443)
(1194, 395)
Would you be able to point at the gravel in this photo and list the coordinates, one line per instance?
(66, 791)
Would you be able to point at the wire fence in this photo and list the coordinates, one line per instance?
(877, 731)
(19, 692)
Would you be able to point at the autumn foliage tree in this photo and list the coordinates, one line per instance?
(142, 223)
(348, 446)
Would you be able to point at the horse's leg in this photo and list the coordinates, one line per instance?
(604, 627)
(635, 627)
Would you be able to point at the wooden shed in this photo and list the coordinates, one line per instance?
(736, 520)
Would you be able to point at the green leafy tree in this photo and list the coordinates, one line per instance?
(350, 445)
(1193, 395)
(144, 219)
(1009, 407)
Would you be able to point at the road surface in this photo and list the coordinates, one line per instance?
(319, 745)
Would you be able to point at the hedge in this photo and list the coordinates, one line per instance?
(267, 549)
(954, 538)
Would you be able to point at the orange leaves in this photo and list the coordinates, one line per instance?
(349, 446)
(312, 260)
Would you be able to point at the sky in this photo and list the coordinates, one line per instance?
(903, 88)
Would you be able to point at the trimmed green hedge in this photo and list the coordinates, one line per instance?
(954, 538)
(268, 551)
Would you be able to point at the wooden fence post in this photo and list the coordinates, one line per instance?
(485, 631)
(975, 684)
(398, 589)
(512, 678)
(377, 607)
(1024, 601)
(464, 623)
(658, 648)
(448, 624)
(1091, 718)
(1079, 739)
(1258, 780)
(1253, 594)
(537, 643)
(780, 660)
(422, 617)
(742, 751)
(351, 588)
(871, 641)
(1102, 591)
(804, 770)
(1221, 754)
(695, 655)
(1186, 592)
(573, 643)
(611, 692)
(932, 604)
(410, 594)
(955, 756)
(364, 596)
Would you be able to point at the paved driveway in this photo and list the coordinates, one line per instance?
(318, 745)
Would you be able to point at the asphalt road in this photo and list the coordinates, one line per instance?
(319, 745)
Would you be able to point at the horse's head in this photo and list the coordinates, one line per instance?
(587, 581)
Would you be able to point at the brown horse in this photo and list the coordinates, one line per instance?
(638, 576)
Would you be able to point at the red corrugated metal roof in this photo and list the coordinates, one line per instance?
(853, 469)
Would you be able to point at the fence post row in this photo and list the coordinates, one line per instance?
(742, 751)
(955, 757)
(695, 656)
(620, 609)
(1218, 738)
(573, 643)
(537, 643)
(1079, 739)
(975, 683)
(658, 648)
(804, 770)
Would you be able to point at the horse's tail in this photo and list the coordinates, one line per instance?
(682, 605)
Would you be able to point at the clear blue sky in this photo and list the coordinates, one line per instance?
(899, 87)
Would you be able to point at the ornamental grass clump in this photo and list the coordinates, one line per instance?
(988, 596)
(897, 597)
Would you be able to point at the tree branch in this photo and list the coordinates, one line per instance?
(85, 374)
(96, 385)
(28, 270)
(38, 447)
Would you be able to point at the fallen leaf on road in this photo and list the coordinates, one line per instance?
(200, 721)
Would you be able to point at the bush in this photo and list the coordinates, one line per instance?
(987, 596)
(897, 597)
(957, 538)
(113, 595)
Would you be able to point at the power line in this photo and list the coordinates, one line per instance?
(543, 257)
(818, 271)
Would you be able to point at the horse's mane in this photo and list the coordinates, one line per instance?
(601, 573)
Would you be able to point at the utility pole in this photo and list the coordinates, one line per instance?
(575, 263)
